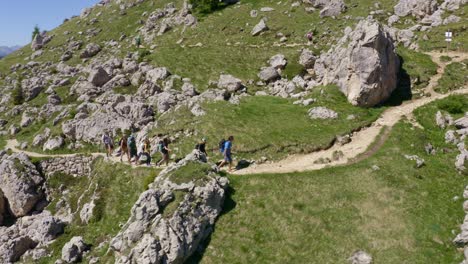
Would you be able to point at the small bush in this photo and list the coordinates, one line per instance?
(207, 6)
(17, 96)
(453, 104)
(445, 58)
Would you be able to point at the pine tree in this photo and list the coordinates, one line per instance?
(36, 31)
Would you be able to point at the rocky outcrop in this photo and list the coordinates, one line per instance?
(37, 42)
(20, 183)
(328, 7)
(28, 235)
(98, 77)
(364, 64)
(416, 8)
(307, 59)
(90, 51)
(72, 251)
(112, 113)
(150, 236)
(77, 166)
(53, 143)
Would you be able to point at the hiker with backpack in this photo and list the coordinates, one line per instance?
(225, 148)
(201, 146)
(108, 143)
(164, 149)
(123, 142)
(145, 150)
(132, 148)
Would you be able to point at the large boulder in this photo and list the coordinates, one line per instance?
(416, 8)
(20, 183)
(268, 74)
(461, 123)
(72, 251)
(12, 248)
(328, 7)
(229, 82)
(150, 237)
(278, 61)
(157, 74)
(307, 59)
(32, 87)
(37, 42)
(90, 51)
(114, 113)
(364, 64)
(98, 77)
(53, 143)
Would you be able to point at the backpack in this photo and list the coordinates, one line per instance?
(131, 141)
(160, 146)
(221, 145)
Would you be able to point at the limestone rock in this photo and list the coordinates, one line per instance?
(417, 8)
(229, 82)
(268, 74)
(148, 237)
(278, 61)
(72, 251)
(32, 87)
(360, 257)
(328, 7)
(461, 123)
(37, 42)
(259, 28)
(322, 113)
(53, 143)
(90, 51)
(307, 59)
(364, 64)
(20, 183)
(157, 74)
(98, 77)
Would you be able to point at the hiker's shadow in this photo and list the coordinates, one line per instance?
(228, 206)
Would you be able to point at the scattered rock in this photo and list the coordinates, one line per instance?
(322, 113)
(230, 83)
(259, 28)
(307, 59)
(72, 251)
(419, 161)
(269, 74)
(90, 51)
(278, 61)
(53, 143)
(360, 257)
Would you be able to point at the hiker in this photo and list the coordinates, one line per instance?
(201, 146)
(226, 150)
(145, 150)
(123, 142)
(108, 143)
(132, 148)
(164, 149)
(310, 37)
(138, 41)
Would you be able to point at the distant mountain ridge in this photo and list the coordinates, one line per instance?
(5, 50)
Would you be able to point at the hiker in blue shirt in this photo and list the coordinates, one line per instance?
(226, 150)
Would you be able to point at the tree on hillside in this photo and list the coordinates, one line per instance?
(36, 31)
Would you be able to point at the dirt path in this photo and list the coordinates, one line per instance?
(363, 139)
(358, 149)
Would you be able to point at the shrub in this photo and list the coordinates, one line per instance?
(207, 6)
(17, 96)
(453, 104)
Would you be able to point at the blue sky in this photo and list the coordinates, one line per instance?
(18, 17)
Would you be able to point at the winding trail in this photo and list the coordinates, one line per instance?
(363, 143)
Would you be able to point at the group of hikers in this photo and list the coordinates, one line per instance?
(127, 146)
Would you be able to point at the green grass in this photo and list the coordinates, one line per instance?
(267, 126)
(445, 58)
(118, 188)
(418, 66)
(192, 172)
(398, 214)
(126, 90)
(455, 77)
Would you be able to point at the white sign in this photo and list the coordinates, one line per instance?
(448, 34)
(448, 39)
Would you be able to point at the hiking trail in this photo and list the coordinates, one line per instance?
(364, 142)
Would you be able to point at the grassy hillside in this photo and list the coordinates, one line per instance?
(398, 213)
